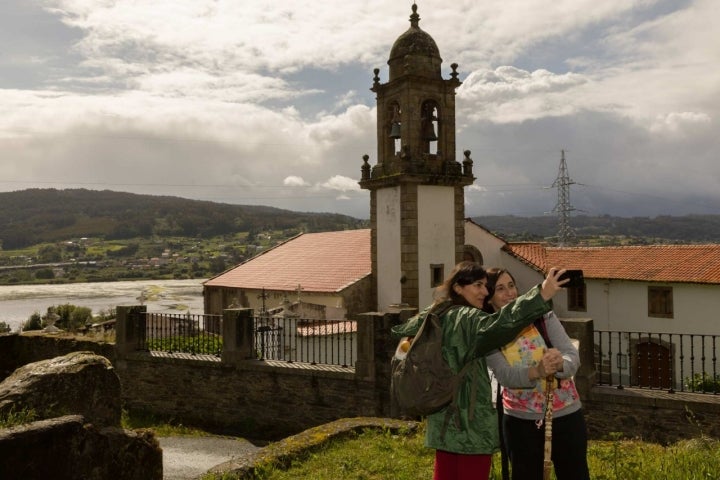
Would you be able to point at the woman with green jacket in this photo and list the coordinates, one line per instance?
(464, 446)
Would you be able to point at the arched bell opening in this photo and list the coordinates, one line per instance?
(394, 127)
(430, 127)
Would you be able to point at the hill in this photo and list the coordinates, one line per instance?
(607, 230)
(34, 216)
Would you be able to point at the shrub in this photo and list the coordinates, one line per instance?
(71, 317)
(34, 322)
(44, 274)
(703, 382)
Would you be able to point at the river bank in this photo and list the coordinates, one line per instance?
(18, 302)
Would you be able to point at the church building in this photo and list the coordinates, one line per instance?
(417, 216)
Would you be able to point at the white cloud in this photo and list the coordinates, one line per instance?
(343, 184)
(681, 122)
(509, 94)
(236, 101)
(294, 181)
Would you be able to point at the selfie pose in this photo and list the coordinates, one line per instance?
(541, 355)
(465, 441)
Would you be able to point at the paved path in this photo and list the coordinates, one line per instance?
(187, 458)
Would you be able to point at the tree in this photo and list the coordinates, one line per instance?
(72, 317)
(49, 254)
(34, 322)
(44, 274)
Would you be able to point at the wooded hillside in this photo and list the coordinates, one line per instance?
(607, 230)
(33, 216)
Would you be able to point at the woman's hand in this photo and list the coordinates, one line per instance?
(551, 362)
(551, 285)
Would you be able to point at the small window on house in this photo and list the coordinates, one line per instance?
(660, 302)
(577, 299)
(437, 275)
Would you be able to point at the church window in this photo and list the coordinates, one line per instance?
(437, 274)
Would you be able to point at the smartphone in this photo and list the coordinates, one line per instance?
(575, 276)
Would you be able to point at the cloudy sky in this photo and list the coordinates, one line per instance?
(268, 102)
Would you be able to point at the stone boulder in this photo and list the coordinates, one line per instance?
(79, 383)
(76, 434)
(67, 448)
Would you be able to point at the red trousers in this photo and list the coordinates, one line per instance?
(458, 466)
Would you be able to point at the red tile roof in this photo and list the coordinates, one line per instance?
(322, 328)
(319, 262)
(653, 263)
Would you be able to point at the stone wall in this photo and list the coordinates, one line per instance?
(274, 399)
(651, 415)
(257, 400)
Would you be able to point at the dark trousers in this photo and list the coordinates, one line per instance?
(526, 447)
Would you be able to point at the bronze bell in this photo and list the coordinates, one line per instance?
(395, 130)
(429, 133)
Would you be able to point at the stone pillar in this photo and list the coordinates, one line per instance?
(376, 347)
(238, 339)
(582, 329)
(365, 363)
(129, 329)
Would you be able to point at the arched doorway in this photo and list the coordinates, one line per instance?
(654, 365)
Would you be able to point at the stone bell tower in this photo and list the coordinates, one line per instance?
(416, 187)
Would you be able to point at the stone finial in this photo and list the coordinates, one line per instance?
(414, 17)
(376, 78)
(365, 169)
(467, 164)
(454, 74)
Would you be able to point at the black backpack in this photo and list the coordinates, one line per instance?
(422, 382)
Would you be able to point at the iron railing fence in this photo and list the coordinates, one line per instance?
(660, 361)
(290, 339)
(196, 334)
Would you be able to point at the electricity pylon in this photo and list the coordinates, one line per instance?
(563, 207)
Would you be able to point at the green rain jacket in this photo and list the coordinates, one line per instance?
(468, 335)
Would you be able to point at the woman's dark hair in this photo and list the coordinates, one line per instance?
(492, 277)
(463, 274)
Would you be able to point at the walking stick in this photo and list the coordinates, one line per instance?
(547, 463)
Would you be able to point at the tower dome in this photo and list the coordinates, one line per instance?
(415, 52)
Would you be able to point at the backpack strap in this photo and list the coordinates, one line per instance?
(542, 328)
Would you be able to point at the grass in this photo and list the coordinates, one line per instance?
(375, 454)
(379, 455)
(14, 418)
(160, 426)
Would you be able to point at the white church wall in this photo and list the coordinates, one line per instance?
(389, 241)
(436, 236)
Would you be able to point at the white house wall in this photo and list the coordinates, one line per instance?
(623, 306)
(489, 245)
(388, 252)
(275, 299)
(619, 305)
(436, 236)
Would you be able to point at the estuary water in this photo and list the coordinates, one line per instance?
(18, 302)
